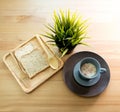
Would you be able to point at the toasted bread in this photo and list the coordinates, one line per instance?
(31, 59)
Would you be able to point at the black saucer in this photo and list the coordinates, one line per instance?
(89, 91)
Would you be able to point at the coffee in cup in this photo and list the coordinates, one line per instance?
(88, 69)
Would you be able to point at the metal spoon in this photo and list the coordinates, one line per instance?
(52, 59)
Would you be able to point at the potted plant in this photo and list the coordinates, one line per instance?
(67, 31)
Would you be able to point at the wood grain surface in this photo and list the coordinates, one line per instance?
(22, 19)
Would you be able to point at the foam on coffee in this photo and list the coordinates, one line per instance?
(88, 69)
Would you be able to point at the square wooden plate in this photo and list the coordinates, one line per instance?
(26, 83)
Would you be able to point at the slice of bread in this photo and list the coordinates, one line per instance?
(31, 59)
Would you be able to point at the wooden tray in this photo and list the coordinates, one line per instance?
(26, 83)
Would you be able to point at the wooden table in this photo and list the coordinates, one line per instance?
(21, 19)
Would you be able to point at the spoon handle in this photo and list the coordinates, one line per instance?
(52, 59)
(49, 54)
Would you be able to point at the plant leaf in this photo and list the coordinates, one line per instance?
(64, 52)
(51, 28)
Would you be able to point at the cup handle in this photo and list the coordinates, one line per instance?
(102, 70)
